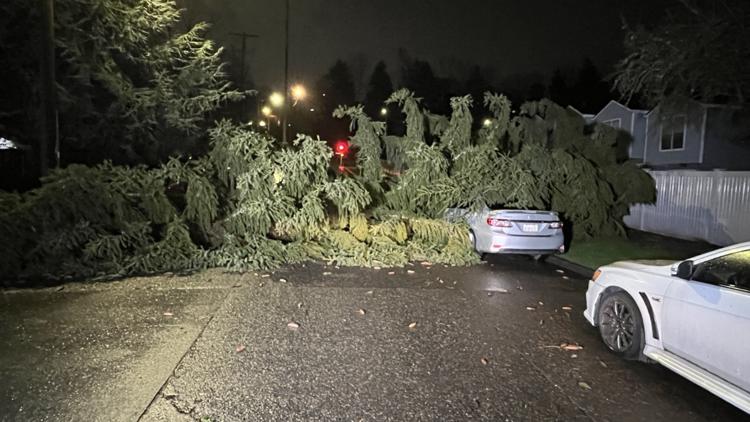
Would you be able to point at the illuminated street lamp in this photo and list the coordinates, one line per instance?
(487, 122)
(266, 110)
(383, 111)
(276, 99)
(298, 93)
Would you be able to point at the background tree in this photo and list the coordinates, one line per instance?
(378, 90)
(476, 86)
(701, 51)
(131, 86)
(559, 91)
(590, 91)
(336, 87)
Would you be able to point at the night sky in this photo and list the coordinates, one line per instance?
(504, 37)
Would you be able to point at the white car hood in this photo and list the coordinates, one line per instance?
(657, 267)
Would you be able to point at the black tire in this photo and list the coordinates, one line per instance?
(621, 326)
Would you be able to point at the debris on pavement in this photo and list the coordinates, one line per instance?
(584, 385)
(292, 326)
(282, 280)
(484, 360)
(530, 308)
(560, 271)
(168, 313)
(240, 348)
(413, 325)
(567, 308)
(361, 311)
(391, 272)
(410, 271)
(299, 305)
(326, 273)
(571, 346)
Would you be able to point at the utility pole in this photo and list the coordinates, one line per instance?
(244, 36)
(48, 128)
(285, 107)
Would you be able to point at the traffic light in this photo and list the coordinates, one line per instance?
(341, 147)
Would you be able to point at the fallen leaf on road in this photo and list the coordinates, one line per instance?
(391, 272)
(584, 385)
(410, 271)
(567, 308)
(540, 303)
(261, 284)
(484, 361)
(369, 292)
(283, 280)
(571, 347)
(441, 281)
(292, 326)
(167, 314)
(299, 305)
(604, 365)
(530, 308)
(361, 311)
(560, 271)
(326, 273)
(240, 348)
(413, 325)
(541, 322)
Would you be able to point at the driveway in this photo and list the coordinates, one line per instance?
(425, 342)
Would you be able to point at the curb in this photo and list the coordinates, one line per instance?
(581, 270)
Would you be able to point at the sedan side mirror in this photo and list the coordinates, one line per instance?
(684, 270)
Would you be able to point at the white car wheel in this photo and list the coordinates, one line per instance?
(621, 325)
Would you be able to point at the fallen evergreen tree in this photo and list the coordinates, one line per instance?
(249, 204)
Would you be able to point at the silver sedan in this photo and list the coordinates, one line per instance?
(512, 231)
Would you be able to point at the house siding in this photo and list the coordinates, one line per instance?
(639, 136)
(690, 155)
(632, 122)
(726, 146)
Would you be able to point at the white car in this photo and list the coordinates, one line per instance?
(526, 232)
(692, 317)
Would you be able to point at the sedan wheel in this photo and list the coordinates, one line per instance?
(621, 326)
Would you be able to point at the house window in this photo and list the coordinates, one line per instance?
(673, 134)
(615, 123)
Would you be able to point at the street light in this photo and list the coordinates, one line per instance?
(276, 99)
(383, 111)
(266, 110)
(298, 93)
(487, 122)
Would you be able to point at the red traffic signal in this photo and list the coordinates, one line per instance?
(341, 147)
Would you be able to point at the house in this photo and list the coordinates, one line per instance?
(628, 119)
(692, 135)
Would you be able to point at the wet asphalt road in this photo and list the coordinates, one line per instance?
(484, 347)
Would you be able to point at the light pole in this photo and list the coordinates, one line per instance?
(286, 73)
(48, 126)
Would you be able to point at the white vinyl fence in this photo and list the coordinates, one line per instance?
(709, 205)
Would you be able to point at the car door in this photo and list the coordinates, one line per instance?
(706, 319)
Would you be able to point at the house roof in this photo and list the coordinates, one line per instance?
(632, 110)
